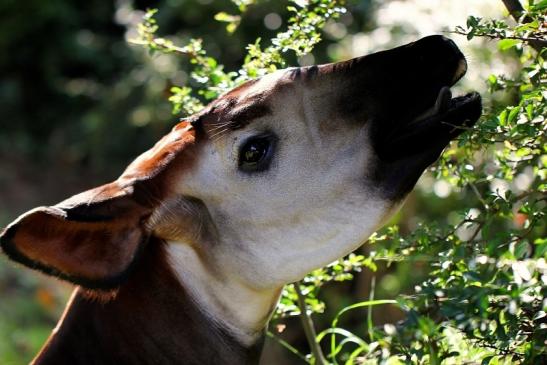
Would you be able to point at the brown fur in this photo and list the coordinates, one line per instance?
(151, 320)
(93, 238)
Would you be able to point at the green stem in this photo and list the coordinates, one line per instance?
(369, 309)
(309, 328)
(286, 345)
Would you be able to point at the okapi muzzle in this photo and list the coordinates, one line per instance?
(404, 95)
(183, 257)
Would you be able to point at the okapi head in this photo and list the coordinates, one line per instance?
(275, 178)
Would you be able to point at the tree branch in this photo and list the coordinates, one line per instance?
(514, 7)
(540, 42)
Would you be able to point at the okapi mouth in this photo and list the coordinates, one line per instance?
(412, 146)
(410, 131)
(427, 117)
(446, 119)
(404, 95)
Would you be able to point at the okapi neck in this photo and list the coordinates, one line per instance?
(152, 319)
(240, 309)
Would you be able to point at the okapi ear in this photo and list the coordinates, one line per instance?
(94, 238)
(90, 239)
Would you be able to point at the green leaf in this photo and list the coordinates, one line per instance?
(513, 114)
(232, 20)
(506, 44)
(540, 6)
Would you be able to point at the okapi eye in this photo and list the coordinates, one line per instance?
(256, 153)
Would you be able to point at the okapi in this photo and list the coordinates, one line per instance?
(182, 259)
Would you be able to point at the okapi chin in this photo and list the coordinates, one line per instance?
(182, 259)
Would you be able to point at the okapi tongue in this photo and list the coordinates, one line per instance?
(443, 100)
(441, 105)
(434, 129)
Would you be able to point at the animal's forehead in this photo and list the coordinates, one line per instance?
(247, 102)
(258, 88)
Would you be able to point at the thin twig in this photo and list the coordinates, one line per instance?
(480, 225)
(309, 329)
(530, 40)
(478, 195)
(286, 345)
(162, 45)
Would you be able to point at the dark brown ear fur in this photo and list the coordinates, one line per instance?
(94, 238)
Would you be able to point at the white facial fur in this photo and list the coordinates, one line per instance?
(312, 206)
